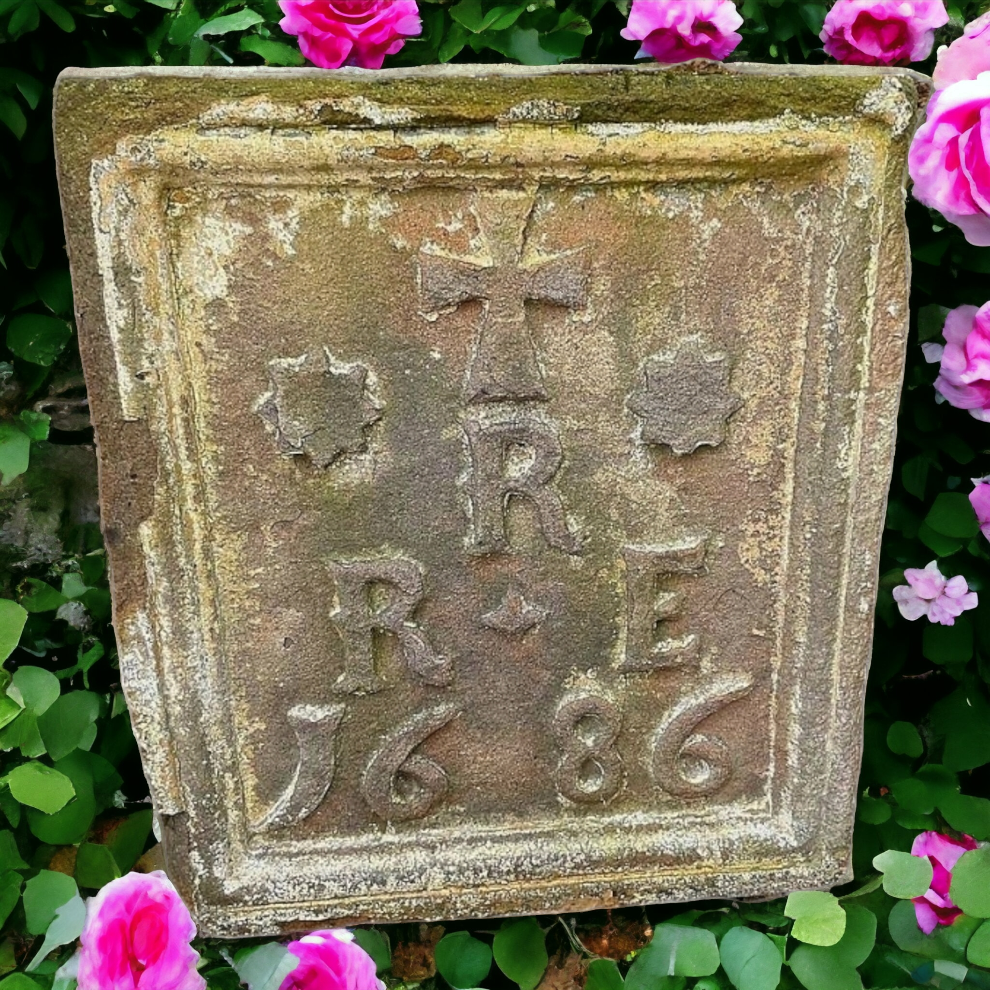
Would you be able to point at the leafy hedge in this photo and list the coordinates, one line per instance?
(72, 792)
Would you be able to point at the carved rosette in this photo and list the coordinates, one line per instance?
(319, 407)
(684, 402)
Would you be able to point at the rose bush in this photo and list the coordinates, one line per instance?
(935, 906)
(333, 33)
(331, 960)
(679, 30)
(882, 32)
(928, 592)
(949, 159)
(979, 498)
(964, 360)
(137, 937)
(967, 56)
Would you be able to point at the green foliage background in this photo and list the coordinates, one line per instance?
(74, 804)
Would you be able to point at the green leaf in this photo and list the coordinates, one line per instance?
(73, 585)
(946, 942)
(127, 841)
(23, 734)
(904, 875)
(818, 917)
(374, 942)
(15, 452)
(241, 20)
(95, 865)
(815, 973)
(185, 24)
(873, 811)
(931, 319)
(914, 474)
(470, 14)
(64, 725)
(66, 926)
(12, 116)
(34, 424)
(948, 644)
(44, 894)
(38, 338)
(10, 893)
(750, 959)
(18, 981)
(967, 814)
(521, 952)
(70, 825)
(58, 14)
(273, 52)
(265, 967)
(944, 546)
(978, 950)
(903, 739)
(603, 974)
(12, 619)
(34, 688)
(834, 967)
(10, 856)
(963, 718)
(676, 950)
(970, 889)
(54, 288)
(37, 786)
(462, 960)
(952, 515)
(9, 710)
(42, 597)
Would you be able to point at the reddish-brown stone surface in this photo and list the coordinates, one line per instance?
(492, 463)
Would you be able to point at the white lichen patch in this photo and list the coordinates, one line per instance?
(374, 112)
(891, 101)
(541, 111)
(213, 238)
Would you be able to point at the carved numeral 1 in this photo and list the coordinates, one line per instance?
(689, 764)
(648, 607)
(316, 731)
(399, 784)
(590, 769)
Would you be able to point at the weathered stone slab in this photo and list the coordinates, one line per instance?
(493, 464)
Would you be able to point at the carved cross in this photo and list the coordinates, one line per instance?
(504, 363)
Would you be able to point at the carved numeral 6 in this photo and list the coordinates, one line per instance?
(590, 769)
(687, 763)
(399, 784)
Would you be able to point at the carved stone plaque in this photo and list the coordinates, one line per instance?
(493, 464)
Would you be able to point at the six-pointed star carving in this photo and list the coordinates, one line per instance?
(319, 407)
(514, 614)
(685, 400)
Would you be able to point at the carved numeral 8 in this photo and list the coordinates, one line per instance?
(590, 769)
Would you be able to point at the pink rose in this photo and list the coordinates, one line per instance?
(333, 33)
(949, 159)
(928, 592)
(331, 960)
(137, 936)
(979, 498)
(967, 56)
(964, 374)
(882, 32)
(679, 30)
(935, 907)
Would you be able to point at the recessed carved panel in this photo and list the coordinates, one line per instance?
(493, 498)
